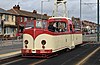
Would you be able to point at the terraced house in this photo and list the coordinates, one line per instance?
(13, 21)
(7, 23)
(24, 16)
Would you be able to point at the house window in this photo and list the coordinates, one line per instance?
(21, 19)
(9, 30)
(12, 18)
(6, 17)
(0, 30)
(25, 19)
(0, 17)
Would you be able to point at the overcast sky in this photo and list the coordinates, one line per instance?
(88, 10)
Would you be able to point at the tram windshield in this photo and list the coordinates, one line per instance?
(29, 24)
(41, 24)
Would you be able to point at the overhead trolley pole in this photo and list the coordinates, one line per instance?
(57, 3)
(81, 14)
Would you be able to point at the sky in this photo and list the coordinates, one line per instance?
(89, 11)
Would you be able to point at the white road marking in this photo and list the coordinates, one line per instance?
(12, 62)
(9, 54)
(87, 57)
(38, 62)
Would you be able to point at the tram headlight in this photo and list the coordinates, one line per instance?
(43, 42)
(25, 46)
(26, 41)
(43, 47)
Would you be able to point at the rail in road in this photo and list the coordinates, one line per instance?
(80, 55)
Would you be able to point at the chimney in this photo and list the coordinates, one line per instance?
(34, 11)
(16, 7)
(45, 14)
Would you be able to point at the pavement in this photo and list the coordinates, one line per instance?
(10, 48)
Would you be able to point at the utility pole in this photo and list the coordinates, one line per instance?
(42, 8)
(97, 20)
(81, 14)
(80, 9)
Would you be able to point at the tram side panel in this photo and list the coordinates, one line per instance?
(54, 42)
(62, 42)
(28, 42)
(49, 41)
(77, 39)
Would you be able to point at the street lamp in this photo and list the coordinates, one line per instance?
(81, 14)
(42, 7)
(80, 9)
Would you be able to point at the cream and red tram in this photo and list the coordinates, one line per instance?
(40, 40)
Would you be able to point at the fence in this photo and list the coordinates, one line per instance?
(9, 44)
(90, 38)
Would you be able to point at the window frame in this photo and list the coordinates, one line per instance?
(58, 23)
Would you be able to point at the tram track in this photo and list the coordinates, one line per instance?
(10, 59)
(12, 62)
(18, 60)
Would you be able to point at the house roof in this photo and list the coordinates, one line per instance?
(27, 13)
(18, 12)
(4, 11)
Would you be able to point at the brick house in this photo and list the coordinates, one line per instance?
(77, 23)
(87, 26)
(90, 26)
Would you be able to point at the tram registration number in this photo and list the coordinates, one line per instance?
(26, 51)
(43, 51)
